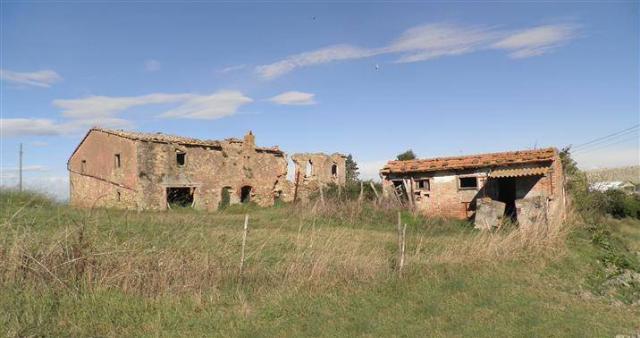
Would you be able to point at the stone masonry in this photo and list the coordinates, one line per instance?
(130, 170)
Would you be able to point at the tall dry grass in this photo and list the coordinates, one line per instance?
(311, 246)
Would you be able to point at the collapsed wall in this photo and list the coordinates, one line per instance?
(315, 170)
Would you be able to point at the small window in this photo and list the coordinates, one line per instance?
(117, 160)
(181, 158)
(83, 166)
(334, 170)
(468, 182)
(423, 185)
(118, 196)
(309, 169)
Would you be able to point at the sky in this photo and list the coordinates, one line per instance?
(369, 79)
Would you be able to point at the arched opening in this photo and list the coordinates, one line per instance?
(308, 170)
(334, 170)
(225, 198)
(245, 194)
(277, 197)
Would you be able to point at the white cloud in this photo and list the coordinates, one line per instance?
(219, 104)
(431, 41)
(537, 40)
(42, 78)
(209, 107)
(231, 68)
(435, 40)
(152, 65)
(105, 106)
(324, 55)
(294, 98)
(46, 127)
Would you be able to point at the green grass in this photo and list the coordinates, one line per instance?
(332, 272)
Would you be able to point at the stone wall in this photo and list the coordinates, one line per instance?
(313, 170)
(209, 170)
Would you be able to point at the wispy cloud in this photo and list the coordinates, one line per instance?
(42, 78)
(104, 106)
(537, 41)
(152, 65)
(231, 68)
(320, 56)
(47, 127)
(294, 98)
(209, 107)
(432, 41)
(212, 106)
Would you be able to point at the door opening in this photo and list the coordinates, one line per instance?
(245, 194)
(181, 197)
(507, 194)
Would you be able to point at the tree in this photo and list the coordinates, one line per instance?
(406, 156)
(351, 169)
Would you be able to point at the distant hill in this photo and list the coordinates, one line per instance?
(631, 174)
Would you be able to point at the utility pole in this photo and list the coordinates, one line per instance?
(20, 169)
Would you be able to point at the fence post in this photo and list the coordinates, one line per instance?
(244, 242)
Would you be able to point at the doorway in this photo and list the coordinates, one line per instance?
(181, 197)
(507, 194)
(245, 194)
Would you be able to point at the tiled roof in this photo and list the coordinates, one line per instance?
(166, 138)
(517, 172)
(470, 161)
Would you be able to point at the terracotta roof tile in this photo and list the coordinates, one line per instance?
(470, 161)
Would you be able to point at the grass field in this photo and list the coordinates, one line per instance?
(309, 270)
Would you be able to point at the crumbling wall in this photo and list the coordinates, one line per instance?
(313, 170)
(234, 164)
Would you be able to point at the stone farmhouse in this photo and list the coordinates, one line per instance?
(134, 170)
(525, 186)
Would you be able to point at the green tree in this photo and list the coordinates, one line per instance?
(351, 170)
(406, 156)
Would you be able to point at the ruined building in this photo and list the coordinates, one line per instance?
(524, 186)
(133, 170)
(315, 170)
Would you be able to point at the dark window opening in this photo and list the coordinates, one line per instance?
(83, 166)
(225, 198)
(180, 197)
(334, 170)
(117, 160)
(118, 196)
(468, 183)
(423, 185)
(245, 194)
(181, 158)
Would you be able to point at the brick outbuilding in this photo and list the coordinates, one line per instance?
(527, 185)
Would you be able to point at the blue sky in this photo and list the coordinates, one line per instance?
(368, 79)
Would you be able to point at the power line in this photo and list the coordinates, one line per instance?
(603, 141)
(607, 136)
(602, 146)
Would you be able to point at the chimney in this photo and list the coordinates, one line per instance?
(249, 140)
